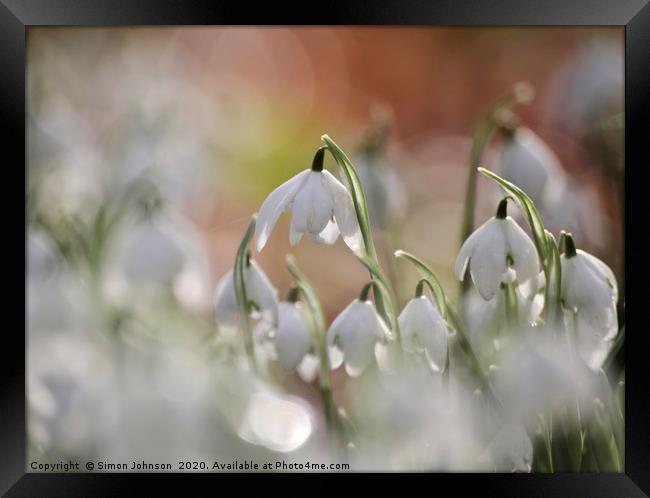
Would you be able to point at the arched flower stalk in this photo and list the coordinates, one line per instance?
(319, 329)
(385, 299)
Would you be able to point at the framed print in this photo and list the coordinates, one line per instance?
(386, 240)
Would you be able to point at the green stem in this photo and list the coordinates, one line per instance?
(385, 298)
(512, 313)
(243, 304)
(320, 332)
(520, 93)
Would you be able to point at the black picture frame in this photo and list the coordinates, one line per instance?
(17, 15)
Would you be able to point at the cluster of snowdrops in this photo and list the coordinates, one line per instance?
(529, 382)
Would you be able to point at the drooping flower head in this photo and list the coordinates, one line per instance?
(259, 290)
(589, 291)
(320, 206)
(499, 251)
(423, 330)
(291, 339)
(356, 331)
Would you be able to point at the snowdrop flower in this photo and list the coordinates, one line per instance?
(158, 249)
(292, 338)
(589, 290)
(494, 250)
(320, 206)
(529, 163)
(289, 341)
(385, 193)
(259, 289)
(424, 330)
(356, 331)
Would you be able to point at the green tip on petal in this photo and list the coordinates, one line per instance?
(319, 157)
(569, 246)
(502, 210)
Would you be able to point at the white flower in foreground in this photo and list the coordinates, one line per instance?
(259, 289)
(424, 331)
(529, 163)
(320, 206)
(495, 249)
(589, 290)
(356, 331)
(292, 338)
(512, 449)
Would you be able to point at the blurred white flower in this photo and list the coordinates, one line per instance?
(536, 371)
(159, 251)
(512, 449)
(259, 289)
(320, 206)
(62, 303)
(292, 338)
(591, 84)
(590, 292)
(424, 331)
(356, 331)
(281, 423)
(409, 421)
(493, 250)
(530, 164)
(385, 193)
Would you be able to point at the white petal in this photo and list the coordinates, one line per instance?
(523, 252)
(313, 206)
(601, 268)
(308, 368)
(328, 236)
(468, 247)
(292, 337)
(345, 214)
(274, 205)
(225, 301)
(593, 346)
(301, 207)
(357, 329)
(488, 260)
(388, 356)
(260, 290)
(333, 333)
(409, 320)
(335, 356)
(294, 234)
(423, 329)
(589, 293)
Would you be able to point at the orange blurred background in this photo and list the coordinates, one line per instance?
(230, 113)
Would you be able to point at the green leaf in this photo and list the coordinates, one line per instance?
(240, 292)
(553, 283)
(356, 190)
